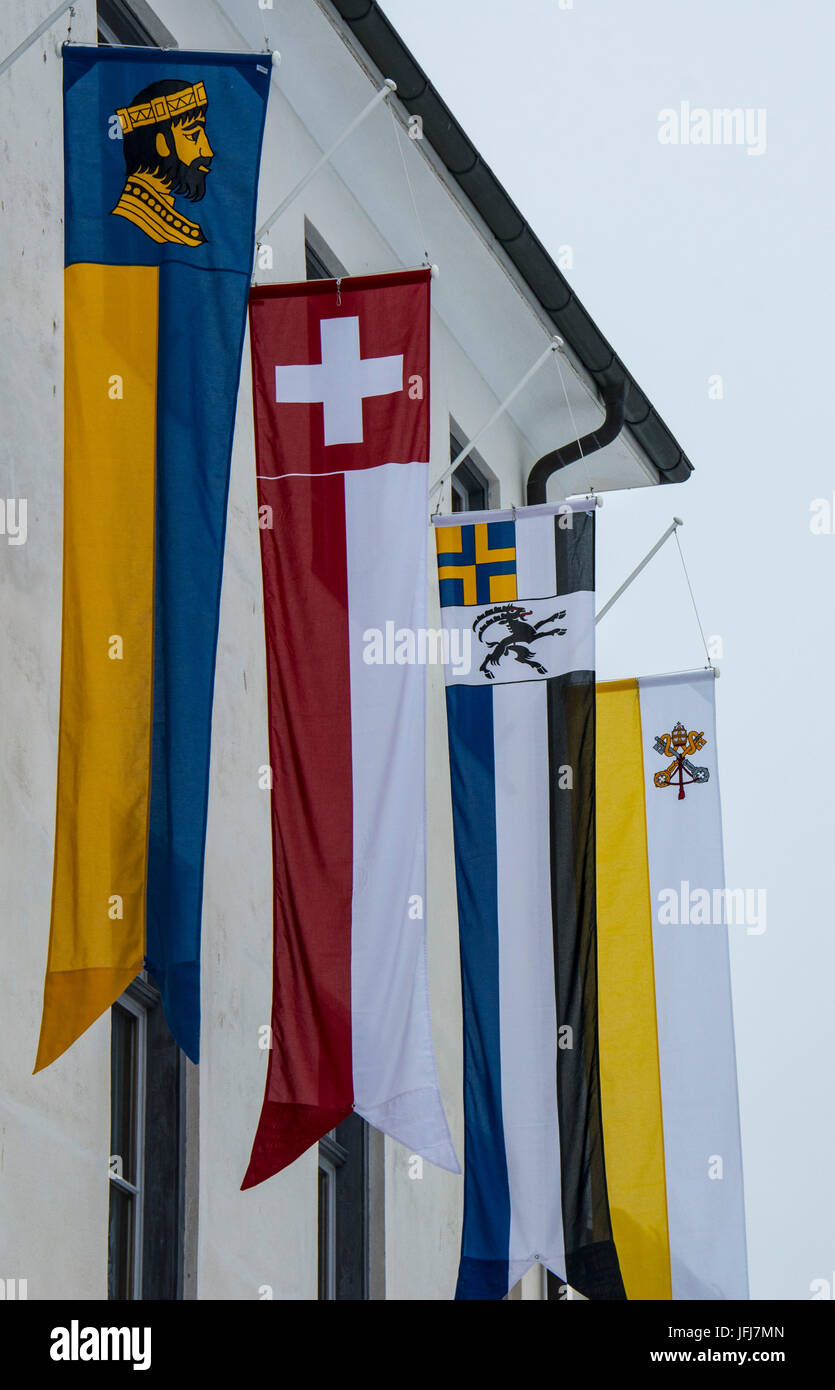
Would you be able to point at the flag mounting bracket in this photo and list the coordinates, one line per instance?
(388, 88)
(553, 346)
(35, 35)
(674, 525)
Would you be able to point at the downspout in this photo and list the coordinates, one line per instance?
(614, 398)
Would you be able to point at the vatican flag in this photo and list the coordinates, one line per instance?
(667, 1059)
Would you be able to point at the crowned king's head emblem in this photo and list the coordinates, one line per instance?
(679, 744)
(167, 152)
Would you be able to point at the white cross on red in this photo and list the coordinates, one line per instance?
(341, 381)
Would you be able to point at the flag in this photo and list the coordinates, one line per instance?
(517, 600)
(156, 284)
(668, 1066)
(341, 397)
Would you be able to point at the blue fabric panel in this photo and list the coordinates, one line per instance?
(486, 1236)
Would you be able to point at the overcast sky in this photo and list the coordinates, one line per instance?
(697, 261)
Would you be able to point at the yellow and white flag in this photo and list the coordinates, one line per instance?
(667, 1057)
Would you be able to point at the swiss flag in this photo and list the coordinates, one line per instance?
(341, 400)
(341, 372)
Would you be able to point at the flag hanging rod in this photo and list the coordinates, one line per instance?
(35, 35)
(554, 346)
(183, 53)
(667, 675)
(387, 89)
(675, 523)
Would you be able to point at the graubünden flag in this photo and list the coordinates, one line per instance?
(517, 593)
(341, 399)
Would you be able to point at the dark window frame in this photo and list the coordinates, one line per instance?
(320, 263)
(131, 22)
(344, 1245)
(314, 266)
(128, 1054)
(157, 1267)
(469, 484)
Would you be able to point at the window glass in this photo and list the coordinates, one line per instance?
(123, 1092)
(470, 488)
(120, 1241)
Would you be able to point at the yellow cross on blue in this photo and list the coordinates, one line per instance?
(476, 563)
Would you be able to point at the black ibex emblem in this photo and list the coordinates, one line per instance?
(513, 617)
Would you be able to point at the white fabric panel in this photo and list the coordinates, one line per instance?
(341, 381)
(579, 504)
(527, 1007)
(572, 652)
(706, 1214)
(536, 557)
(395, 1079)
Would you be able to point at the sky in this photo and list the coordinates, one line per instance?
(707, 265)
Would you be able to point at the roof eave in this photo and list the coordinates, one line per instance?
(387, 51)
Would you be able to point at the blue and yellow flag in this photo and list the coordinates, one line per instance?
(162, 151)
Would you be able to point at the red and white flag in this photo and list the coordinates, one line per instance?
(341, 397)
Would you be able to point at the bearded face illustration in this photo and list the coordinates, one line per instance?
(167, 153)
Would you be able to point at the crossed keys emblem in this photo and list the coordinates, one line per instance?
(678, 745)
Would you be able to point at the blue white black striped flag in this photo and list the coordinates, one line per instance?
(517, 594)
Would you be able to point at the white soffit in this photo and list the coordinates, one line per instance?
(478, 295)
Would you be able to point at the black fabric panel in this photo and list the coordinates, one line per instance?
(595, 1273)
(574, 546)
(591, 1260)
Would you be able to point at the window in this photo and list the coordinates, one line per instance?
(331, 1158)
(146, 1234)
(470, 487)
(344, 1248)
(127, 1128)
(131, 22)
(314, 266)
(319, 261)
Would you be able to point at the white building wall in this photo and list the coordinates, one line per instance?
(54, 1128)
(266, 1237)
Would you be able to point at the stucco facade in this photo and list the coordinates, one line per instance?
(486, 332)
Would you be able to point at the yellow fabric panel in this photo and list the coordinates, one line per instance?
(629, 1074)
(448, 540)
(502, 587)
(467, 574)
(104, 740)
(483, 554)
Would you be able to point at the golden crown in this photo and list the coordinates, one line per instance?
(161, 108)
